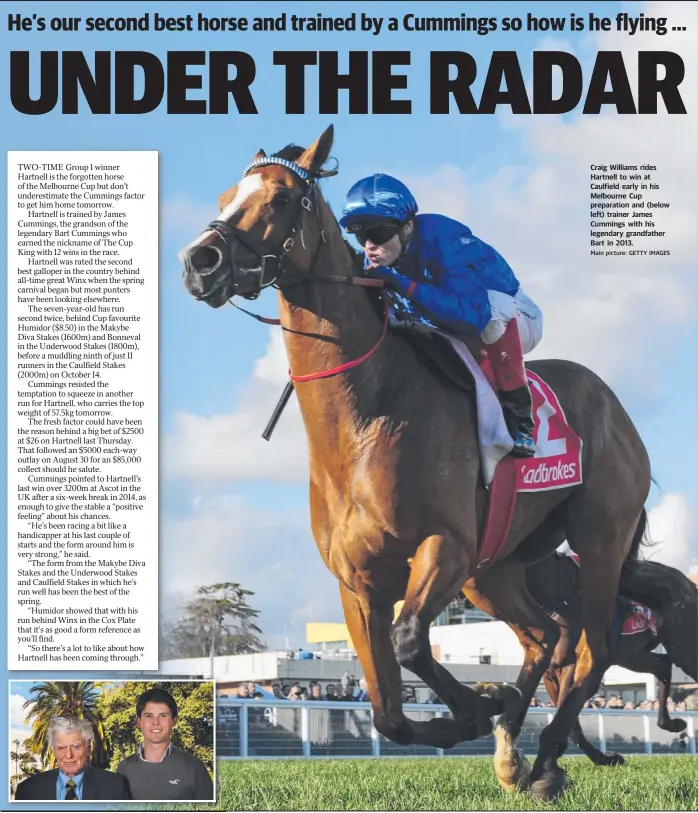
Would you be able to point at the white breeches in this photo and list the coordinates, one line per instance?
(521, 307)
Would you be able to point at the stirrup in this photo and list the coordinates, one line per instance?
(524, 445)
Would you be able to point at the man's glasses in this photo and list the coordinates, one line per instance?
(377, 233)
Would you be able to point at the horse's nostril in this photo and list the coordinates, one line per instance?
(205, 259)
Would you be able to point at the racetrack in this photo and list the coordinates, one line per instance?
(644, 783)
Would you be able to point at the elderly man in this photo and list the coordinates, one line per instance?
(71, 741)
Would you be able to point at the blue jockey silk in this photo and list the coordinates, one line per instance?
(457, 269)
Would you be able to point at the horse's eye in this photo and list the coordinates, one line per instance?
(280, 200)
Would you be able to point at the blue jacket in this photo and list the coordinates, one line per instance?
(453, 270)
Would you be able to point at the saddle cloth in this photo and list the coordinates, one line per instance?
(642, 619)
(558, 459)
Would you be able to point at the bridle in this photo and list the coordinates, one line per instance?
(270, 264)
(276, 264)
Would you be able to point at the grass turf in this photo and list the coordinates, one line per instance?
(643, 783)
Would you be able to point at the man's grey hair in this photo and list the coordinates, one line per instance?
(83, 728)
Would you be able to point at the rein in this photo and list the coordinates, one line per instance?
(349, 364)
(561, 606)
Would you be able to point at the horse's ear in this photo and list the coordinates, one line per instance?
(318, 152)
(260, 154)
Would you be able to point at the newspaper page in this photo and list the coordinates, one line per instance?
(299, 300)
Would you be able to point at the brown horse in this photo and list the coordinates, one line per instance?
(554, 583)
(396, 497)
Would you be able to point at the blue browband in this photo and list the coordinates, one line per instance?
(263, 162)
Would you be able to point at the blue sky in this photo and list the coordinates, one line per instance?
(522, 185)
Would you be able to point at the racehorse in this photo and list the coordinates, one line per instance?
(397, 502)
(554, 583)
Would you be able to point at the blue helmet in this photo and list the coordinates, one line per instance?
(378, 196)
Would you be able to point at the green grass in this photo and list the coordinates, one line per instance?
(455, 783)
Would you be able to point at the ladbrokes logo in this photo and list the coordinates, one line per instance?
(542, 473)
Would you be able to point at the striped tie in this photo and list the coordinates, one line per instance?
(70, 790)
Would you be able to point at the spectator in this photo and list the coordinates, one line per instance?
(316, 692)
(285, 690)
(331, 692)
(363, 691)
(348, 680)
(691, 701)
(294, 693)
(243, 692)
(277, 691)
(349, 694)
(681, 706)
(303, 693)
(629, 706)
(304, 656)
(534, 703)
(408, 694)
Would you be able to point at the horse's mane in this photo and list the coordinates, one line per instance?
(291, 152)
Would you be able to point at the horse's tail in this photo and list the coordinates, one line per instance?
(674, 599)
(640, 539)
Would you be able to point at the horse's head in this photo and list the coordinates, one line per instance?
(270, 216)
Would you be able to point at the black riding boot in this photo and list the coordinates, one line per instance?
(518, 415)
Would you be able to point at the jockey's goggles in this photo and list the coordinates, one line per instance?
(378, 233)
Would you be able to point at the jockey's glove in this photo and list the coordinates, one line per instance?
(393, 278)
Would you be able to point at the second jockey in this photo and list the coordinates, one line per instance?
(446, 277)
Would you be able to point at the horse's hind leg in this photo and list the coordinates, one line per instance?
(369, 621)
(601, 558)
(502, 593)
(660, 666)
(557, 681)
(439, 570)
(596, 756)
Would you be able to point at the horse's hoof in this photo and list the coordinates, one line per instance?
(482, 724)
(513, 773)
(675, 725)
(500, 696)
(612, 760)
(552, 784)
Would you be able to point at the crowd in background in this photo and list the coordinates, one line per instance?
(349, 689)
(615, 702)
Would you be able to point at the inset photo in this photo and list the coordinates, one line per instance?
(112, 740)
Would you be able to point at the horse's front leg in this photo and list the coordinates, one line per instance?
(369, 620)
(439, 569)
(502, 593)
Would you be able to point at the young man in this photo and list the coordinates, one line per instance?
(74, 779)
(159, 770)
(446, 277)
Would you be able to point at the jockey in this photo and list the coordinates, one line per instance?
(447, 278)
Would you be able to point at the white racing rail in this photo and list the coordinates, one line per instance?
(275, 729)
